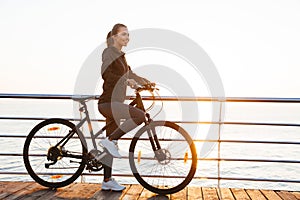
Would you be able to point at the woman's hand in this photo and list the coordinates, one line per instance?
(132, 83)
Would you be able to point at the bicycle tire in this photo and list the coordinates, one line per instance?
(158, 176)
(37, 144)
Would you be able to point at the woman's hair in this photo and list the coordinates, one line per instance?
(114, 31)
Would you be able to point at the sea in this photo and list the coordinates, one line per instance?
(271, 113)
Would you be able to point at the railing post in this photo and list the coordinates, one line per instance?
(220, 123)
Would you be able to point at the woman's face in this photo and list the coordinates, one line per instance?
(122, 38)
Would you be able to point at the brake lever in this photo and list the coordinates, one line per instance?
(149, 86)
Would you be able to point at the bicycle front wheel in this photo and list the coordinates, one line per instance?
(168, 169)
(53, 165)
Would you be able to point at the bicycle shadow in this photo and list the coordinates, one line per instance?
(73, 191)
(107, 195)
(35, 191)
(159, 197)
(35, 194)
(110, 195)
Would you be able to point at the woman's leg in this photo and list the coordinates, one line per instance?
(108, 160)
(115, 112)
(132, 115)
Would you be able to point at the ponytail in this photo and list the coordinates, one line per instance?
(109, 39)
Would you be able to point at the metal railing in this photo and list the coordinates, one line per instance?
(219, 141)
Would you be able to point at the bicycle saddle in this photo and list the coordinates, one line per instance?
(82, 98)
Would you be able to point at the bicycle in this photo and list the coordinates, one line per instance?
(162, 155)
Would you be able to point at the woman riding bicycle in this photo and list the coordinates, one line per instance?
(117, 75)
(56, 152)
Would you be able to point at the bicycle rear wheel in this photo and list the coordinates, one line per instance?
(172, 167)
(49, 165)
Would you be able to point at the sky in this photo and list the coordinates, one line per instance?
(254, 44)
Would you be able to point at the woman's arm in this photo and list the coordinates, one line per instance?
(138, 79)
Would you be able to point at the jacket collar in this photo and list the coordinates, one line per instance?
(115, 50)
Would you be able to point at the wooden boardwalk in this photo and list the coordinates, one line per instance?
(32, 190)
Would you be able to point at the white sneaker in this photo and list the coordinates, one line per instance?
(111, 147)
(112, 185)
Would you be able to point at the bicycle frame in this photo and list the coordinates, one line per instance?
(79, 125)
(139, 104)
(136, 102)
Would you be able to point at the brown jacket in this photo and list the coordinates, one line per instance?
(115, 71)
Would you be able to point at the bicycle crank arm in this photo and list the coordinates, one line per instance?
(72, 161)
(72, 156)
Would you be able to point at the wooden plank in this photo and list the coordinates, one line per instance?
(110, 195)
(87, 190)
(182, 194)
(210, 193)
(146, 194)
(63, 192)
(19, 193)
(255, 194)
(78, 190)
(133, 192)
(286, 195)
(225, 194)
(270, 194)
(4, 192)
(240, 194)
(32, 191)
(296, 194)
(43, 194)
(194, 193)
(66, 192)
(8, 189)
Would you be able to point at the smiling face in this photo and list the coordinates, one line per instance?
(121, 38)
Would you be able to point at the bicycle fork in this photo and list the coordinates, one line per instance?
(160, 154)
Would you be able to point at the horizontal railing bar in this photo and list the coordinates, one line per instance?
(248, 141)
(37, 96)
(195, 177)
(249, 160)
(262, 99)
(183, 122)
(238, 123)
(200, 159)
(26, 118)
(249, 179)
(164, 98)
(259, 142)
(44, 118)
(196, 140)
(20, 154)
(226, 99)
(259, 124)
(12, 136)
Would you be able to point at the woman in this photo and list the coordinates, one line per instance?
(117, 75)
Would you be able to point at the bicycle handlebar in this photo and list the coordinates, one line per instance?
(148, 87)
